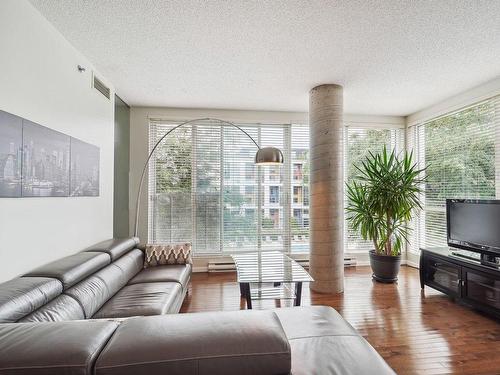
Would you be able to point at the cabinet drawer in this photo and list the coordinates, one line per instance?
(442, 275)
(482, 288)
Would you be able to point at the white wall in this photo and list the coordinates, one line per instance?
(463, 99)
(39, 81)
(139, 146)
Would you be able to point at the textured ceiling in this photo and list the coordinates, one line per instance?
(393, 57)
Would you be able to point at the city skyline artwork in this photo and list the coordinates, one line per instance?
(36, 161)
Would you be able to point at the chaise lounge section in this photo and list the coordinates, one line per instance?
(99, 312)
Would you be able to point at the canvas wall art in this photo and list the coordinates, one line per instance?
(11, 138)
(36, 161)
(46, 154)
(84, 169)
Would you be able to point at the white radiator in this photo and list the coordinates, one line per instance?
(228, 265)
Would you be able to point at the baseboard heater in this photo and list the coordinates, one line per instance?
(228, 265)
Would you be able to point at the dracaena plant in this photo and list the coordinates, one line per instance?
(382, 199)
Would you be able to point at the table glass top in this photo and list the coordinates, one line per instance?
(269, 266)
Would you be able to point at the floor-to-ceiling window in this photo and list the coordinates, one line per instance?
(359, 142)
(205, 188)
(462, 153)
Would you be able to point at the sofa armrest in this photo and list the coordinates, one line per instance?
(239, 342)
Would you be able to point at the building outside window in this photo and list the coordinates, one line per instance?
(297, 172)
(274, 173)
(274, 194)
(297, 194)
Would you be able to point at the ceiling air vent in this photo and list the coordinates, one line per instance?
(101, 87)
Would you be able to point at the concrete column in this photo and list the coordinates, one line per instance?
(327, 188)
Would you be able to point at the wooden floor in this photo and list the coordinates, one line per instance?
(416, 333)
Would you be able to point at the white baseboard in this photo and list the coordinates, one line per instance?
(411, 264)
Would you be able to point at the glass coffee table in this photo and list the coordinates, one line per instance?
(256, 271)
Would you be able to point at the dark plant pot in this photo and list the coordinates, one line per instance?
(385, 267)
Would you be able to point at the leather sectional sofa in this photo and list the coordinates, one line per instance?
(99, 312)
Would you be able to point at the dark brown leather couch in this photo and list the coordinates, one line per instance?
(78, 318)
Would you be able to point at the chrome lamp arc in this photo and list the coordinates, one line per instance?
(264, 156)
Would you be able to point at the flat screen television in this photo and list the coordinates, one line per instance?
(474, 225)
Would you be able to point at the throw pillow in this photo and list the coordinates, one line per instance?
(163, 254)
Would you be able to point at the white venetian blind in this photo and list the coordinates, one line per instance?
(204, 187)
(462, 152)
(358, 143)
(299, 189)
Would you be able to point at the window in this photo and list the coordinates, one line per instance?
(274, 194)
(297, 195)
(297, 172)
(274, 173)
(204, 186)
(299, 222)
(462, 151)
(358, 143)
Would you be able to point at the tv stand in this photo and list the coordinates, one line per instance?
(466, 255)
(469, 280)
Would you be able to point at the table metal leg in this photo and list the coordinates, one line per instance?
(247, 294)
(298, 293)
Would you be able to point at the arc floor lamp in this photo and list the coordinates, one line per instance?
(264, 156)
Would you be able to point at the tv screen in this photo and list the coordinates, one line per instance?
(474, 225)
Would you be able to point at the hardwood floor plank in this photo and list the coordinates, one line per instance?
(417, 333)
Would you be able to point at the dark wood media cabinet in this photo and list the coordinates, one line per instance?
(467, 281)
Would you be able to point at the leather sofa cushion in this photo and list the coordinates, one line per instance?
(331, 355)
(96, 290)
(73, 268)
(238, 342)
(141, 299)
(322, 342)
(115, 247)
(59, 309)
(130, 263)
(178, 273)
(23, 295)
(66, 348)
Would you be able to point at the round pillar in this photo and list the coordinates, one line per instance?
(326, 129)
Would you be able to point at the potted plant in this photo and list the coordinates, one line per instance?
(382, 199)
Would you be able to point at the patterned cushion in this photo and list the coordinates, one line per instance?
(158, 255)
